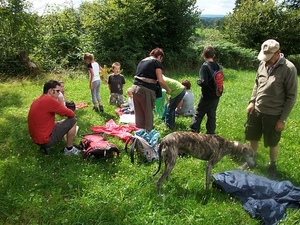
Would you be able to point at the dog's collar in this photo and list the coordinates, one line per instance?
(236, 143)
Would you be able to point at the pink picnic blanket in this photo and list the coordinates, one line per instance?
(119, 131)
(81, 105)
(119, 111)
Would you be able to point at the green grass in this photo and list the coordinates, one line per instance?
(55, 189)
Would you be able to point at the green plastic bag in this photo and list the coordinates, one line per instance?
(160, 105)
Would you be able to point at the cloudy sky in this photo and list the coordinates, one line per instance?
(215, 7)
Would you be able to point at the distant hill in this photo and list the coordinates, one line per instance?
(211, 16)
(212, 21)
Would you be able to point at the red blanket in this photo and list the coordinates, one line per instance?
(122, 132)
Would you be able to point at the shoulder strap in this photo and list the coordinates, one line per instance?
(209, 67)
(211, 70)
(82, 135)
(133, 145)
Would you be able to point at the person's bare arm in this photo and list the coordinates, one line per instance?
(91, 78)
(161, 81)
(179, 104)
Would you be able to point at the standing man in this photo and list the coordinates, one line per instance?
(273, 97)
(43, 129)
(209, 101)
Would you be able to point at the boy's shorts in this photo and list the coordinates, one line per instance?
(259, 124)
(116, 99)
(59, 131)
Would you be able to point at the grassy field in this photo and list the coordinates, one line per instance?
(55, 189)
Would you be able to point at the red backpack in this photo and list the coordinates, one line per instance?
(95, 146)
(218, 77)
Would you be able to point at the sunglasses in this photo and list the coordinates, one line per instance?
(56, 90)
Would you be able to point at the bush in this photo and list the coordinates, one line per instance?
(228, 54)
(296, 60)
(232, 56)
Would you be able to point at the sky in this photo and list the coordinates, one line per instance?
(213, 7)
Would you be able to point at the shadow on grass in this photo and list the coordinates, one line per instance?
(32, 182)
(11, 100)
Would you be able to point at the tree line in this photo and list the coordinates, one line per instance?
(126, 31)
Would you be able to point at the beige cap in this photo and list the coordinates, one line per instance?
(268, 48)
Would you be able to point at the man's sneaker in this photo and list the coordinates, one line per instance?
(101, 109)
(272, 171)
(95, 108)
(73, 151)
(245, 166)
(45, 151)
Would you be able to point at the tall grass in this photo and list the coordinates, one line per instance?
(55, 189)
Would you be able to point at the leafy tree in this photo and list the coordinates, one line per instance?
(113, 29)
(238, 3)
(60, 33)
(177, 24)
(256, 21)
(126, 30)
(292, 4)
(18, 31)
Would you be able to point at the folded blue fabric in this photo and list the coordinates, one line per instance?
(151, 137)
(261, 197)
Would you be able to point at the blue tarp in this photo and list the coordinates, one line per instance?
(261, 197)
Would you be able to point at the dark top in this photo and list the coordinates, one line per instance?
(116, 83)
(207, 81)
(146, 68)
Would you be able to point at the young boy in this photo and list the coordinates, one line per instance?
(209, 101)
(94, 68)
(116, 82)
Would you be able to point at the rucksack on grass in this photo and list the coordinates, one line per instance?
(218, 77)
(142, 147)
(96, 146)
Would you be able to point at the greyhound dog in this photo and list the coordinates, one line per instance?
(209, 147)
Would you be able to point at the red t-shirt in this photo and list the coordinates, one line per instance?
(41, 117)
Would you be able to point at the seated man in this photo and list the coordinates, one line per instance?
(186, 105)
(43, 129)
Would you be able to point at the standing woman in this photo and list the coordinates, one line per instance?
(148, 77)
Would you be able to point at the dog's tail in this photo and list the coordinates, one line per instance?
(159, 158)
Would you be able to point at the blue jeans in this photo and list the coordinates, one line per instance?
(96, 91)
(170, 109)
